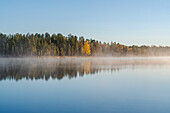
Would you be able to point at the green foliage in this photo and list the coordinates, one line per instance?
(59, 45)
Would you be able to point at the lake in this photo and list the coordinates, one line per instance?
(85, 85)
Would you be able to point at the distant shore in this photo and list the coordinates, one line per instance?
(85, 57)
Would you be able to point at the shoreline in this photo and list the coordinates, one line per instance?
(114, 57)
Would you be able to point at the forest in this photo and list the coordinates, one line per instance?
(21, 45)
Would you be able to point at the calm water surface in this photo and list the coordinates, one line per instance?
(78, 85)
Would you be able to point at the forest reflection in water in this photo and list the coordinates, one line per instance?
(57, 68)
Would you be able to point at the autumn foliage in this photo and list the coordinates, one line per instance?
(58, 45)
(86, 48)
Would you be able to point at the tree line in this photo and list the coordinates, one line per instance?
(71, 45)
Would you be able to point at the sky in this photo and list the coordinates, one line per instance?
(129, 22)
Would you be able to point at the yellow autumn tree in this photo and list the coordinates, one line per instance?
(86, 48)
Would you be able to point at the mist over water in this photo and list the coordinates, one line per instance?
(58, 68)
(103, 84)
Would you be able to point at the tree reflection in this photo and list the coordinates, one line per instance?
(17, 69)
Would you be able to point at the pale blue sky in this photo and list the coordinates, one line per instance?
(125, 21)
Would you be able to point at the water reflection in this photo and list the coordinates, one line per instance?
(46, 68)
